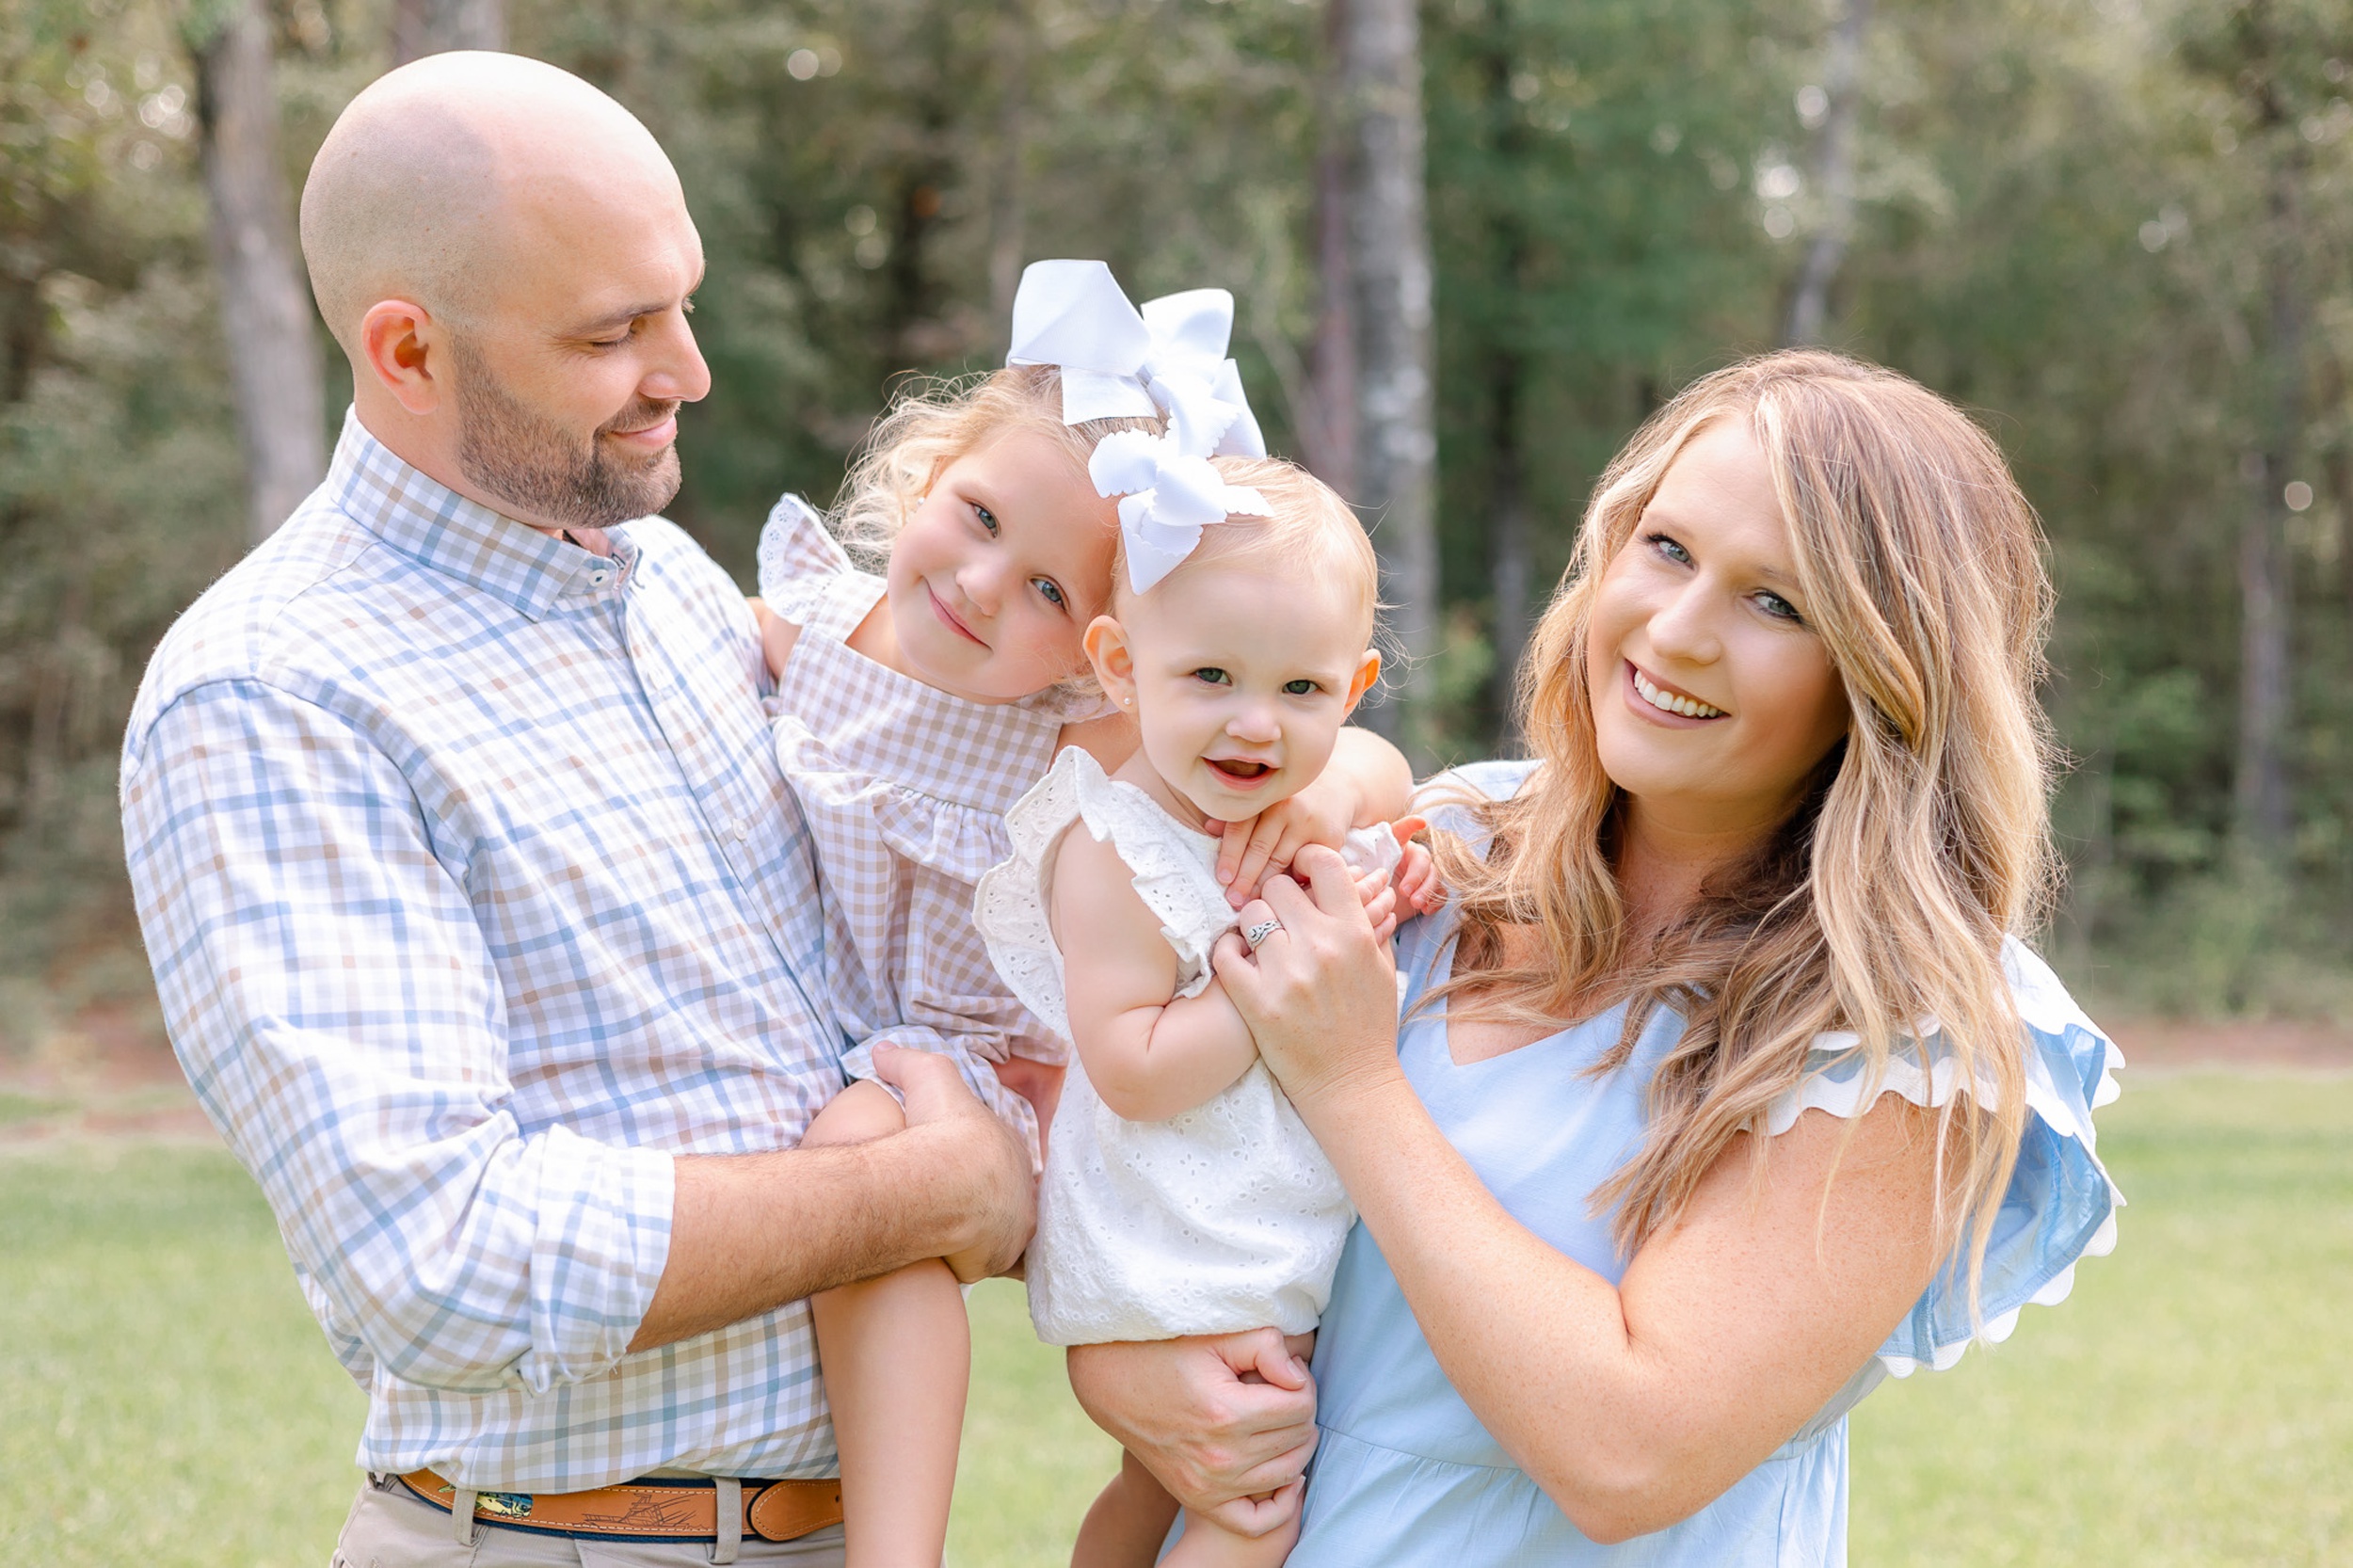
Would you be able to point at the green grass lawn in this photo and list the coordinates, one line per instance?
(166, 1399)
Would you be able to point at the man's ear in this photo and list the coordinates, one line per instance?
(407, 353)
(1366, 673)
(1106, 642)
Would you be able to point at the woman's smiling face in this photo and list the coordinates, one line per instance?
(1712, 698)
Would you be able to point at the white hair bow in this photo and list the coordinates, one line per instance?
(1166, 497)
(1165, 362)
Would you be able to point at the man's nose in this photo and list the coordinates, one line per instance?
(677, 372)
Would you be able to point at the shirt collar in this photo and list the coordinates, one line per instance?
(429, 523)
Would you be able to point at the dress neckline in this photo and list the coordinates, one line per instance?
(1438, 1021)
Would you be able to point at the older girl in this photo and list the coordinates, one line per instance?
(1725, 1087)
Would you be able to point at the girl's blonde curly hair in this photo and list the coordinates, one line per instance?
(931, 424)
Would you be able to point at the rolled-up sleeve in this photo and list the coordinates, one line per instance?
(333, 1001)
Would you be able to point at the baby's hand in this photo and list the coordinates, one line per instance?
(1320, 815)
(1419, 888)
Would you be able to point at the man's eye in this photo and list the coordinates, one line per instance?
(1298, 688)
(1051, 590)
(987, 519)
(1671, 551)
(1212, 676)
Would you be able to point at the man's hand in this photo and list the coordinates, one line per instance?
(750, 1232)
(1219, 1418)
(980, 1150)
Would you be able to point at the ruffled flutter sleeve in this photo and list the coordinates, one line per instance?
(2061, 1205)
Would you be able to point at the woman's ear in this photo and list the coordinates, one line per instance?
(1366, 673)
(408, 351)
(1106, 643)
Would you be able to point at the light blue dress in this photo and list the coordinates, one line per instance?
(1405, 1477)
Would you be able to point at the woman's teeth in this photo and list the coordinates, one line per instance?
(1690, 708)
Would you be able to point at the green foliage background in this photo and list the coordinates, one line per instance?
(2063, 225)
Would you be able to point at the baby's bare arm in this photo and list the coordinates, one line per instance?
(1149, 1057)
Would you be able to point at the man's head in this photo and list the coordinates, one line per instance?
(505, 256)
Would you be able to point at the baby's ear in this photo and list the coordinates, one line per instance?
(1106, 644)
(1366, 673)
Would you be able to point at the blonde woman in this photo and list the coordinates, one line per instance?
(1725, 1086)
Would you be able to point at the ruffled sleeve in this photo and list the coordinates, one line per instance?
(799, 561)
(2060, 1205)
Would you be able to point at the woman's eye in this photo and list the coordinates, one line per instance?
(988, 520)
(1210, 676)
(1298, 688)
(1777, 607)
(1671, 549)
(1051, 591)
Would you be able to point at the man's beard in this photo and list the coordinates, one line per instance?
(549, 473)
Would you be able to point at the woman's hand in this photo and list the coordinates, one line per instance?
(1219, 1418)
(1320, 994)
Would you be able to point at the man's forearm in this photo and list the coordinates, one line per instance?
(750, 1233)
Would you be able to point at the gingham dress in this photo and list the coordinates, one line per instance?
(906, 790)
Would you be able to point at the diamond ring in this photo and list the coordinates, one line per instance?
(1260, 931)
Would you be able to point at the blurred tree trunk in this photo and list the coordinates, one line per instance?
(2266, 590)
(1833, 176)
(1006, 236)
(1506, 377)
(421, 28)
(1328, 434)
(1388, 245)
(265, 303)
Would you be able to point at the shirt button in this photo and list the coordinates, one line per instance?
(599, 579)
(740, 828)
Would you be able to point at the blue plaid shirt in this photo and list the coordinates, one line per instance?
(474, 895)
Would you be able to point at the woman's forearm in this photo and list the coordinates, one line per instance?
(1635, 1405)
(1534, 1341)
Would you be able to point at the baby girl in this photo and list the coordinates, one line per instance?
(1182, 1193)
(913, 709)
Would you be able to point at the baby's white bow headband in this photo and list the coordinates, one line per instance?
(1166, 361)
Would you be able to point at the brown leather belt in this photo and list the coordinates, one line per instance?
(653, 1510)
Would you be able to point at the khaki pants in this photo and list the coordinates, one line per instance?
(390, 1527)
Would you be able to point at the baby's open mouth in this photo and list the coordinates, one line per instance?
(1240, 769)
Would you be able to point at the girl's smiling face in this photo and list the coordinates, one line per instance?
(994, 577)
(1713, 701)
(1239, 675)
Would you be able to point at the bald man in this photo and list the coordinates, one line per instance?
(485, 926)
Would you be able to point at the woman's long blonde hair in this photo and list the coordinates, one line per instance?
(1922, 840)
